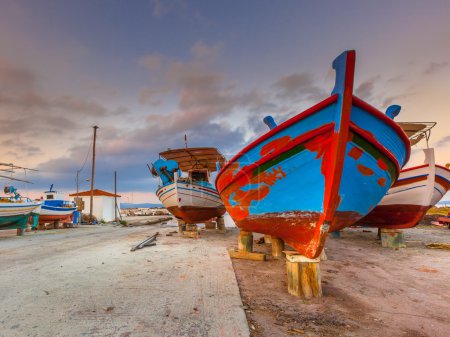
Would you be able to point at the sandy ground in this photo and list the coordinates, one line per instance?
(86, 282)
(368, 290)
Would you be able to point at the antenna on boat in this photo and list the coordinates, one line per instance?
(185, 140)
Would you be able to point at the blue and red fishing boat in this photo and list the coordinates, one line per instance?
(320, 171)
(55, 208)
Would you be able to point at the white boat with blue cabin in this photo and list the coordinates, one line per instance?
(186, 188)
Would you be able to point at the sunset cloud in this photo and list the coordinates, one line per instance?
(435, 67)
(158, 70)
(299, 86)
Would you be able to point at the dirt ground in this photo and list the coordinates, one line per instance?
(86, 282)
(368, 290)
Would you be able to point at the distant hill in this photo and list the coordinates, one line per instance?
(444, 202)
(125, 205)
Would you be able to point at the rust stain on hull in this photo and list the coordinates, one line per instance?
(304, 231)
(196, 214)
(394, 216)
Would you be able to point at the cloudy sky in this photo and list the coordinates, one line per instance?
(148, 72)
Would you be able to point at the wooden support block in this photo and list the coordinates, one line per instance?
(439, 245)
(210, 225)
(303, 276)
(379, 234)
(191, 234)
(245, 241)
(336, 234)
(191, 227)
(323, 256)
(40, 226)
(392, 238)
(20, 231)
(56, 224)
(221, 225)
(267, 239)
(181, 226)
(236, 254)
(191, 231)
(277, 247)
(28, 229)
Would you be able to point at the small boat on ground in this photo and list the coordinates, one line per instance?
(55, 208)
(15, 209)
(416, 190)
(320, 171)
(191, 198)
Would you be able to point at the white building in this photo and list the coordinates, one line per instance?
(103, 204)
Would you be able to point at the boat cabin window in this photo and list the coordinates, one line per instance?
(50, 196)
(198, 175)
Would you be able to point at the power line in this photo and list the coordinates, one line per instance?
(87, 156)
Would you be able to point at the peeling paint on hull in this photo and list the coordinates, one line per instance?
(301, 230)
(319, 171)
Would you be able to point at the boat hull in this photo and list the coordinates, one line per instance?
(52, 213)
(412, 195)
(319, 171)
(441, 184)
(298, 216)
(190, 202)
(15, 215)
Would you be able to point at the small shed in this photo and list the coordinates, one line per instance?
(103, 203)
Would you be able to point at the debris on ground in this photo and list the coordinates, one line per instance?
(439, 245)
(150, 241)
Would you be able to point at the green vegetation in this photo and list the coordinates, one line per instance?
(441, 211)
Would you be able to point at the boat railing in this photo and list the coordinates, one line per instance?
(14, 199)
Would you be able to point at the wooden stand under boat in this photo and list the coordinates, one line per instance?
(181, 226)
(267, 238)
(277, 247)
(392, 238)
(210, 224)
(221, 225)
(245, 248)
(191, 231)
(303, 275)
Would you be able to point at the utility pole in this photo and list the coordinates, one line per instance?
(115, 196)
(78, 198)
(92, 174)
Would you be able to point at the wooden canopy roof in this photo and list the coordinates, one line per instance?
(195, 158)
(416, 131)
